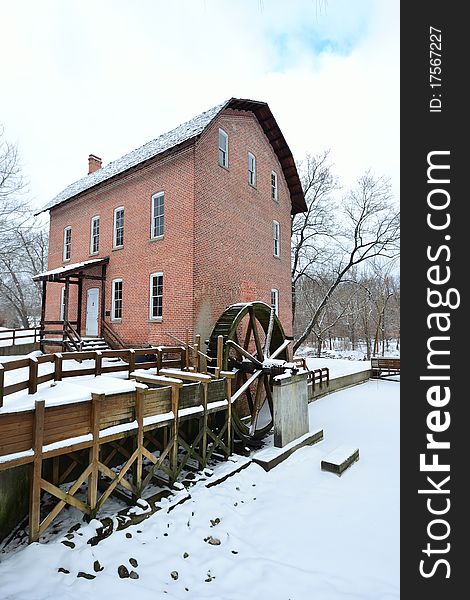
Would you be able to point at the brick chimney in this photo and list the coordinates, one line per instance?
(94, 163)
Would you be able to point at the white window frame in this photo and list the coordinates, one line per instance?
(158, 236)
(223, 160)
(275, 300)
(94, 219)
(62, 304)
(151, 315)
(251, 169)
(115, 230)
(276, 239)
(113, 305)
(274, 187)
(67, 247)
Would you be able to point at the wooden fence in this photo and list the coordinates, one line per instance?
(17, 334)
(145, 358)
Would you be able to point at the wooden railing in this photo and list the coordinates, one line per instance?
(18, 334)
(145, 358)
(316, 377)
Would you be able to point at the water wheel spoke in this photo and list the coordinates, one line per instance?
(246, 342)
(269, 395)
(249, 396)
(257, 406)
(245, 353)
(259, 348)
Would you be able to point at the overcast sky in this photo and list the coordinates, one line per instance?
(107, 76)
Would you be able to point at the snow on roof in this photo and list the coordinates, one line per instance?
(164, 142)
(68, 268)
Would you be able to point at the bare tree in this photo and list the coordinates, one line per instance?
(13, 205)
(368, 228)
(24, 255)
(23, 248)
(311, 229)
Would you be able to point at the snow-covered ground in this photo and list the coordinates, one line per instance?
(294, 533)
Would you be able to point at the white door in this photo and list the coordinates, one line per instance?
(92, 303)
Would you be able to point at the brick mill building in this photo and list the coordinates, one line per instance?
(162, 240)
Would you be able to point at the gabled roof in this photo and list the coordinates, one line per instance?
(184, 133)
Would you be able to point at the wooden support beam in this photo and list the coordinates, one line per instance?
(35, 493)
(33, 375)
(175, 397)
(139, 417)
(79, 306)
(220, 354)
(94, 452)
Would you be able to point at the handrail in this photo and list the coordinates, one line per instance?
(108, 330)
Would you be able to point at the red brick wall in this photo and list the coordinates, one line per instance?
(234, 245)
(217, 247)
(140, 256)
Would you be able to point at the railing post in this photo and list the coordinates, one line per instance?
(33, 375)
(220, 353)
(2, 384)
(98, 362)
(57, 366)
(131, 362)
(13, 338)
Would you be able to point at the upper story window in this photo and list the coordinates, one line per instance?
(157, 214)
(156, 295)
(275, 300)
(116, 312)
(67, 243)
(223, 148)
(276, 239)
(251, 169)
(118, 234)
(95, 235)
(274, 191)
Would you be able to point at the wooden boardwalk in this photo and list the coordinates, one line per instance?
(169, 419)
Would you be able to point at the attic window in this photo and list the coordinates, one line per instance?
(223, 149)
(251, 169)
(274, 193)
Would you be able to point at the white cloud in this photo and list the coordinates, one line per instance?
(105, 77)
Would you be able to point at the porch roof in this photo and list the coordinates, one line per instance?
(73, 269)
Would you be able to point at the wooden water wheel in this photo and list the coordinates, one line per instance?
(247, 328)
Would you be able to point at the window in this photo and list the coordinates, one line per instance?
(275, 300)
(62, 304)
(118, 238)
(223, 148)
(117, 300)
(251, 169)
(95, 235)
(157, 215)
(67, 243)
(276, 239)
(274, 195)
(156, 295)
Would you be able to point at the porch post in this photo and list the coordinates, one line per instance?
(103, 289)
(66, 306)
(43, 314)
(79, 305)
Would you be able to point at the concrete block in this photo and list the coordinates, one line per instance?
(340, 459)
(271, 457)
